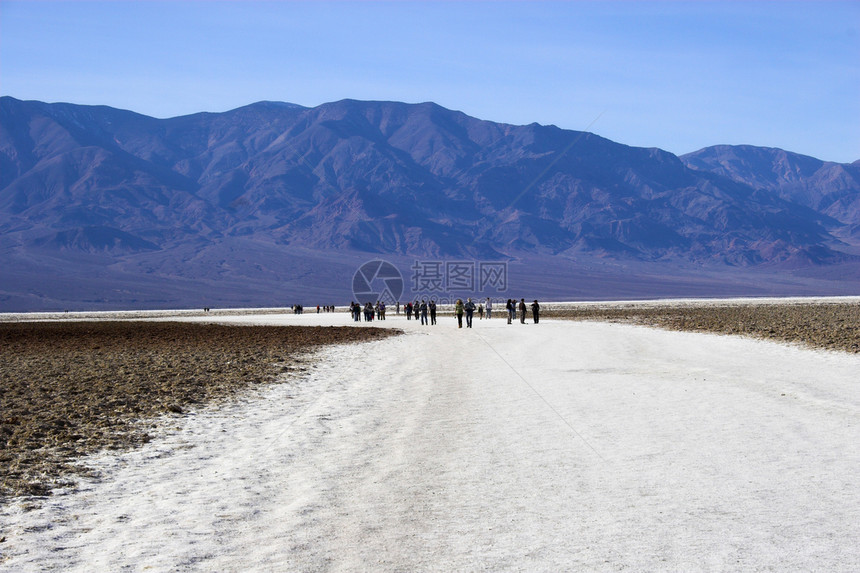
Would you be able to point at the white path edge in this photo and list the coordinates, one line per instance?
(553, 447)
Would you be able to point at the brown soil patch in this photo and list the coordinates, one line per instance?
(68, 389)
(830, 325)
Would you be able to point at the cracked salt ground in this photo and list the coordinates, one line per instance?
(562, 446)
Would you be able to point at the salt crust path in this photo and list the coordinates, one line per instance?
(558, 446)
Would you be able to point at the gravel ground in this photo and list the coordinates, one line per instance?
(829, 325)
(68, 389)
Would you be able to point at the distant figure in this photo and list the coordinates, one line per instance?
(489, 308)
(408, 308)
(458, 310)
(522, 311)
(424, 312)
(398, 308)
(432, 307)
(509, 306)
(469, 307)
(536, 311)
(481, 311)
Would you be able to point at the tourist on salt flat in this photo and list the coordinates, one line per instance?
(469, 307)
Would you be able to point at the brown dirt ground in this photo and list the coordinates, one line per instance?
(68, 389)
(828, 325)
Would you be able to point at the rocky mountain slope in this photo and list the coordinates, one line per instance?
(272, 192)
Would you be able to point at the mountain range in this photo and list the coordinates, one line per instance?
(102, 208)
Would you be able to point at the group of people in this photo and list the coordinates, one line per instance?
(425, 311)
(512, 307)
(369, 310)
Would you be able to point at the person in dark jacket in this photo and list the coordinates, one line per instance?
(458, 310)
(432, 307)
(424, 312)
(536, 311)
(469, 307)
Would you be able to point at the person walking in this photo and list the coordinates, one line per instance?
(536, 311)
(489, 308)
(432, 307)
(469, 307)
(522, 310)
(424, 312)
(458, 310)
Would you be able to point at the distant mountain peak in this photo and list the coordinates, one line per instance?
(399, 179)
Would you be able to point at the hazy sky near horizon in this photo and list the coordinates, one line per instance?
(675, 75)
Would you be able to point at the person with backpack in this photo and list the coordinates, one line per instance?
(469, 307)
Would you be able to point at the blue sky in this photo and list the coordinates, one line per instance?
(675, 75)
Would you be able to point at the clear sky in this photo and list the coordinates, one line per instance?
(675, 75)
